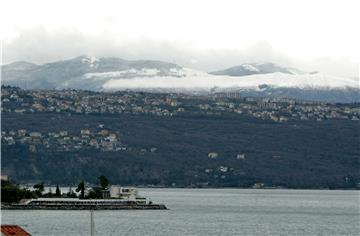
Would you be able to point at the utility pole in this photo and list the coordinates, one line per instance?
(92, 226)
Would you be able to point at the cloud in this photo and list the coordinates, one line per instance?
(40, 46)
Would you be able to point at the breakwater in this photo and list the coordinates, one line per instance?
(85, 207)
(82, 204)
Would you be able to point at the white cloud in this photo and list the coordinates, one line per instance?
(215, 34)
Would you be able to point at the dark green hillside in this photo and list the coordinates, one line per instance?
(173, 151)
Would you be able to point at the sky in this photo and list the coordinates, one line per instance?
(208, 35)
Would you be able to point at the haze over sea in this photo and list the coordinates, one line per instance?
(210, 212)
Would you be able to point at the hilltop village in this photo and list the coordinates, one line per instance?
(128, 102)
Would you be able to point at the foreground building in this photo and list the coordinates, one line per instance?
(13, 230)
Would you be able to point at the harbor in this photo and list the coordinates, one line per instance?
(112, 197)
(82, 204)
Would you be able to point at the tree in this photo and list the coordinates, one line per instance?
(71, 193)
(13, 193)
(104, 182)
(81, 189)
(39, 188)
(57, 192)
(95, 193)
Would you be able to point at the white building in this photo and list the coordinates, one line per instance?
(123, 192)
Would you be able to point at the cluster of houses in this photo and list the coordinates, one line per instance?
(130, 102)
(221, 171)
(282, 109)
(84, 102)
(99, 138)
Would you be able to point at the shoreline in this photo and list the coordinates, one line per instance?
(189, 187)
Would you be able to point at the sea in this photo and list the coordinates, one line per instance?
(209, 212)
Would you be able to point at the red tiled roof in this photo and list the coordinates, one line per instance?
(13, 230)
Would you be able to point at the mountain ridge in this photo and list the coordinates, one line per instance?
(256, 68)
(112, 73)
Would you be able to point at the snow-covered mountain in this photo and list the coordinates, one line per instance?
(82, 72)
(314, 86)
(256, 68)
(197, 80)
(110, 74)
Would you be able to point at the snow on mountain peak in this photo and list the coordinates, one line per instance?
(119, 74)
(91, 60)
(255, 68)
(250, 67)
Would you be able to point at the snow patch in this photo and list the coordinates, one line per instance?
(122, 73)
(250, 67)
(197, 80)
(176, 72)
(91, 60)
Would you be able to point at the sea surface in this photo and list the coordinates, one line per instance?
(209, 212)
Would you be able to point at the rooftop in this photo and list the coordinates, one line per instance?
(12, 230)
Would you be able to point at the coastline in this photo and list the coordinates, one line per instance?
(66, 187)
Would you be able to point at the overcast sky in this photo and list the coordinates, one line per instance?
(207, 35)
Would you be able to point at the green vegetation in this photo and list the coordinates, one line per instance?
(96, 192)
(39, 189)
(13, 193)
(71, 193)
(151, 139)
(104, 182)
(301, 154)
(81, 189)
(57, 192)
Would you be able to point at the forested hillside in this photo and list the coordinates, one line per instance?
(189, 150)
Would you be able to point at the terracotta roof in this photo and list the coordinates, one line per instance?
(13, 230)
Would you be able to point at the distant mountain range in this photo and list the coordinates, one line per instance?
(81, 72)
(109, 74)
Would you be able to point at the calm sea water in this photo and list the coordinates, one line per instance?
(210, 212)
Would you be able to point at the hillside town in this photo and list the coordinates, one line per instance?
(131, 102)
(227, 132)
(99, 138)
(102, 138)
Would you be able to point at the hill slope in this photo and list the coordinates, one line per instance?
(294, 155)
